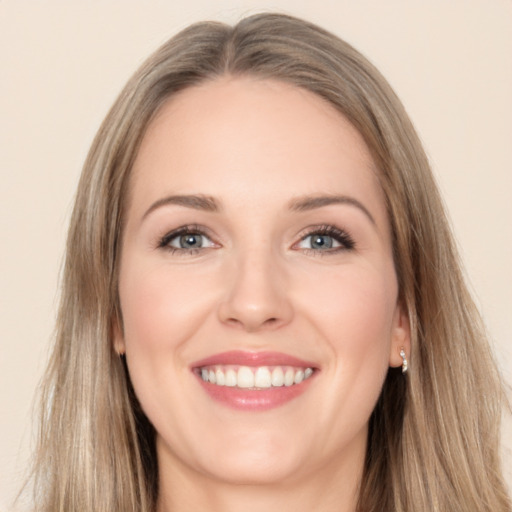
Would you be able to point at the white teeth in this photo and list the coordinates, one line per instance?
(278, 377)
(219, 377)
(299, 377)
(262, 377)
(230, 378)
(245, 377)
(289, 377)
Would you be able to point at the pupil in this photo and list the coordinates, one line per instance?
(189, 241)
(322, 242)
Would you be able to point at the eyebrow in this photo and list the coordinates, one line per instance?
(196, 202)
(306, 203)
(301, 204)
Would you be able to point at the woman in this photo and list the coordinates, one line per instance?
(257, 247)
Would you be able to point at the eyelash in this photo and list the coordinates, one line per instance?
(164, 242)
(339, 235)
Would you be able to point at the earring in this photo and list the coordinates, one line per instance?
(404, 359)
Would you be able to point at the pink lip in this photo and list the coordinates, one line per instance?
(247, 399)
(244, 358)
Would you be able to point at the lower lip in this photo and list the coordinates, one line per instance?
(255, 399)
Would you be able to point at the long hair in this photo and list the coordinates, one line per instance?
(433, 440)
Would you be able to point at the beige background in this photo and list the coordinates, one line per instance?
(62, 64)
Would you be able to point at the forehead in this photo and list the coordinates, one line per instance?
(225, 135)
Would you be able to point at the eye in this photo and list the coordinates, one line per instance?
(326, 239)
(186, 239)
(189, 241)
(319, 241)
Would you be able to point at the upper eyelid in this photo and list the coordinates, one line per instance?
(188, 228)
(325, 229)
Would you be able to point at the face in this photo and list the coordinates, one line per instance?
(257, 285)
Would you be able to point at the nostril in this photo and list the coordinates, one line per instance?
(251, 326)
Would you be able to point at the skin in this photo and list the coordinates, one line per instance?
(256, 285)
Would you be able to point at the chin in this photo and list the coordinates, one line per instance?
(256, 458)
(256, 468)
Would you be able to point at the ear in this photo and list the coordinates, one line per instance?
(400, 336)
(118, 336)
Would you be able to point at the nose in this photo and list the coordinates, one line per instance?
(256, 295)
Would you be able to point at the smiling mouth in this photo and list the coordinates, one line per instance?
(254, 378)
(254, 381)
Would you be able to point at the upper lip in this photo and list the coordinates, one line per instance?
(248, 358)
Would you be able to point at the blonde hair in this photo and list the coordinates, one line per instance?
(434, 436)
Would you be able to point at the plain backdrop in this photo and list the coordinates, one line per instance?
(62, 64)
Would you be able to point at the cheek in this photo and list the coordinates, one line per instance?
(160, 308)
(355, 312)
(355, 317)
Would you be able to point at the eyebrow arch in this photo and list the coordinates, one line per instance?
(197, 202)
(306, 203)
